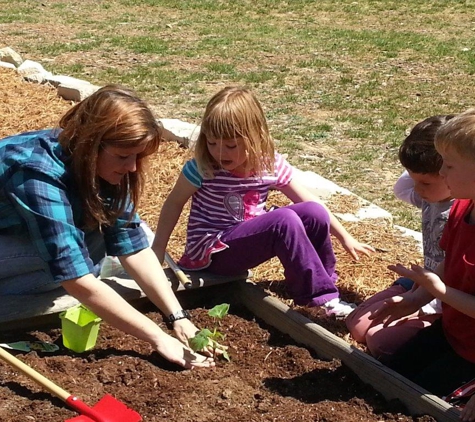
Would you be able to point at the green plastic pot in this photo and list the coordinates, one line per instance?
(80, 328)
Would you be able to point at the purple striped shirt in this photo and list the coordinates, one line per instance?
(222, 202)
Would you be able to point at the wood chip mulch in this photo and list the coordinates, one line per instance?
(26, 106)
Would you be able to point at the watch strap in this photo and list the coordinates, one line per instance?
(181, 314)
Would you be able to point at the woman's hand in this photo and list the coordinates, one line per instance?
(184, 329)
(173, 350)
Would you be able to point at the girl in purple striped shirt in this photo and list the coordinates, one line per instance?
(229, 228)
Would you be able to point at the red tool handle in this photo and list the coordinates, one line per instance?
(54, 389)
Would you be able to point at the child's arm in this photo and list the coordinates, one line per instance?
(400, 307)
(298, 193)
(407, 304)
(434, 284)
(170, 213)
(404, 190)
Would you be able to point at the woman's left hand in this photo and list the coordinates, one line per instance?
(175, 351)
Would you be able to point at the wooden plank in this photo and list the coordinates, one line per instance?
(389, 383)
(19, 312)
(24, 311)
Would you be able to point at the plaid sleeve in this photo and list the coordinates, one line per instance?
(39, 197)
(125, 237)
(190, 171)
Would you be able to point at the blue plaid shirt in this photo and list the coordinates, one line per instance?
(38, 199)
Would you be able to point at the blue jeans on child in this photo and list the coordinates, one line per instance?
(299, 235)
(22, 271)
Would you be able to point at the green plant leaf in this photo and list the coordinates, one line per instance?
(207, 338)
(218, 336)
(225, 355)
(201, 340)
(207, 332)
(219, 311)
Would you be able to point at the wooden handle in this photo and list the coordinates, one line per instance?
(177, 271)
(35, 376)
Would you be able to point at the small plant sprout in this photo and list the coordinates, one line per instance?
(207, 338)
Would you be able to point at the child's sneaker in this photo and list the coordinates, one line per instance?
(339, 308)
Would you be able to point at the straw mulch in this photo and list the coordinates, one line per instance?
(26, 106)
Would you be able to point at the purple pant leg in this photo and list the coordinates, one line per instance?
(299, 235)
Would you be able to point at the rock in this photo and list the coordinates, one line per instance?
(77, 91)
(7, 65)
(57, 80)
(9, 55)
(186, 133)
(33, 71)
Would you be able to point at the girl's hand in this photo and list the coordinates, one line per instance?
(396, 308)
(422, 277)
(352, 246)
(468, 412)
(175, 351)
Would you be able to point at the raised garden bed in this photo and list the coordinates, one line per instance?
(271, 376)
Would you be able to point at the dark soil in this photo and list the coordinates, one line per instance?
(269, 378)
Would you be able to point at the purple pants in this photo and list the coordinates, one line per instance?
(299, 235)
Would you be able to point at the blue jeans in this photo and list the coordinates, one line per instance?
(299, 235)
(23, 271)
(405, 282)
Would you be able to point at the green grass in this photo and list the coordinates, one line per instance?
(340, 81)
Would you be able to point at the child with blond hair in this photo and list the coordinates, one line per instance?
(229, 228)
(441, 357)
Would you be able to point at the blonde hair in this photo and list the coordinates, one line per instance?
(112, 116)
(234, 113)
(458, 135)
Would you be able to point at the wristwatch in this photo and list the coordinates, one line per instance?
(181, 314)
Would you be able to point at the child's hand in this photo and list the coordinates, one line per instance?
(422, 277)
(468, 412)
(352, 246)
(396, 308)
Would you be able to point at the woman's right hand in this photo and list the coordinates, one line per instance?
(175, 351)
(184, 329)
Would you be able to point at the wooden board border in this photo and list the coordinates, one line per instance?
(328, 346)
(271, 310)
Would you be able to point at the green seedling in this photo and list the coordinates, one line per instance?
(207, 338)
